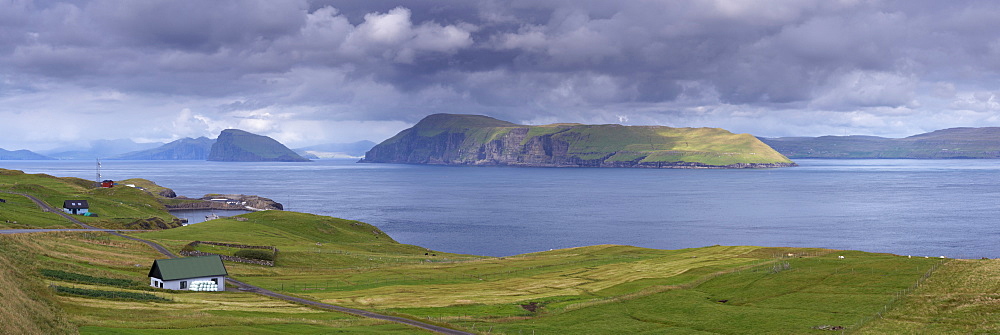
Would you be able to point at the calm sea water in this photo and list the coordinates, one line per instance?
(907, 207)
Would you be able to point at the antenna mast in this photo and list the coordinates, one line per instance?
(98, 172)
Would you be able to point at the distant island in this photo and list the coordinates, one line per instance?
(182, 149)
(453, 139)
(21, 155)
(234, 145)
(201, 148)
(952, 143)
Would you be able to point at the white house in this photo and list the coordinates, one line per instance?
(202, 273)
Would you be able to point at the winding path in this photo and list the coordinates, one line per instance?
(241, 285)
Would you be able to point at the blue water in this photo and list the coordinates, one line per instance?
(907, 207)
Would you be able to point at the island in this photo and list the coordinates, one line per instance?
(458, 139)
(234, 145)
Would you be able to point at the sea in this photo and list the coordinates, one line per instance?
(922, 208)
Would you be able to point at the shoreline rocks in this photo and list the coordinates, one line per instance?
(229, 202)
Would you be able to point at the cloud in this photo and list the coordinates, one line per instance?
(783, 67)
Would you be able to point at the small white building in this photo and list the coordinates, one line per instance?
(189, 273)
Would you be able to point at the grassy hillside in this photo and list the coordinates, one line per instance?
(117, 207)
(962, 297)
(481, 140)
(305, 241)
(602, 289)
(26, 305)
(36, 309)
(599, 289)
(710, 146)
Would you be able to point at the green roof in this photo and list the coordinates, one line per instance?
(188, 267)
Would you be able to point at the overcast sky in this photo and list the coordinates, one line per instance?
(311, 72)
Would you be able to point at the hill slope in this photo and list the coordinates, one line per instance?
(234, 145)
(21, 155)
(118, 207)
(451, 139)
(940, 144)
(182, 149)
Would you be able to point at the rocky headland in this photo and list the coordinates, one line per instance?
(227, 202)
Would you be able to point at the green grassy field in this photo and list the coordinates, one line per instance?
(962, 297)
(603, 289)
(598, 289)
(29, 303)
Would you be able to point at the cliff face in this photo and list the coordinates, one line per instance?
(479, 140)
(235, 145)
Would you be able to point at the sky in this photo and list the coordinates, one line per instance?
(329, 71)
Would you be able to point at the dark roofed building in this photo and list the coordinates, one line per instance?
(76, 207)
(202, 273)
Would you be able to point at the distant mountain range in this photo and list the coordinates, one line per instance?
(98, 149)
(336, 150)
(201, 149)
(952, 143)
(182, 149)
(237, 145)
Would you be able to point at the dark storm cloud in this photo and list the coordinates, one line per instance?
(779, 67)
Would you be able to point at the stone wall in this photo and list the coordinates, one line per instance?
(188, 250)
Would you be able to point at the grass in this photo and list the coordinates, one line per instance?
(21, 213)
(962, 297)
(33, 307)
(596, 289)
(814, 291)
(27, 306)
(711, 146)
(105, 294)
(86, 279)
(117, 206)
